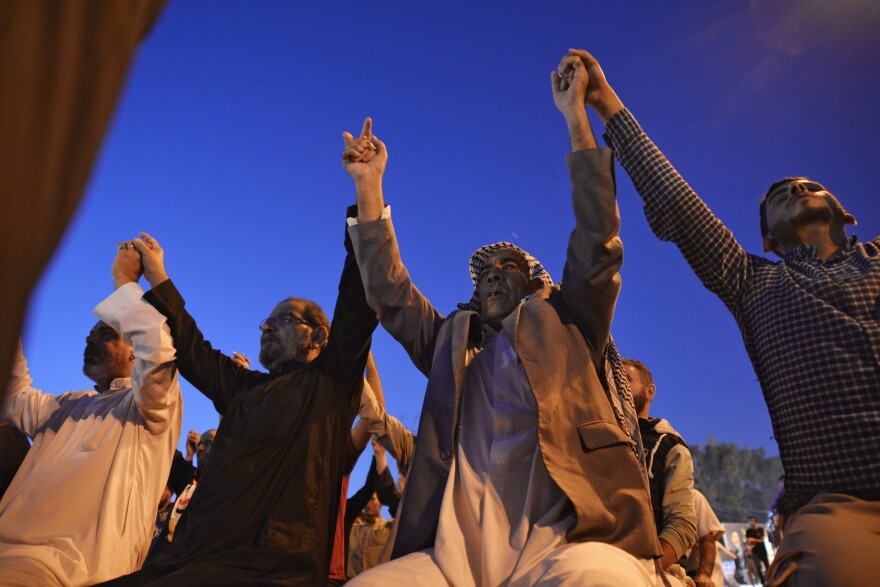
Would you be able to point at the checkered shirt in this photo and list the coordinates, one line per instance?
(811, 327)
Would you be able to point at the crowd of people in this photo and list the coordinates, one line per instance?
(535, 460)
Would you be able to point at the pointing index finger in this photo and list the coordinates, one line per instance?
(368, 128)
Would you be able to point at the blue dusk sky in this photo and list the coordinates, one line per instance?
(226, 147)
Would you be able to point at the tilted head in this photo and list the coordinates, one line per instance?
(296, 331)
(204, 448)
(796, 202)
(373, 508)
(503, 274)
(106, 356)
(641, 385)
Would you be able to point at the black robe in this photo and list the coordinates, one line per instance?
(265, 511)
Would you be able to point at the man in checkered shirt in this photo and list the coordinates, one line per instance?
(810, 326)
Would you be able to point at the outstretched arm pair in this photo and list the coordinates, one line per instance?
(673, 210)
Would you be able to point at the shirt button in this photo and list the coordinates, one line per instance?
(445, 454)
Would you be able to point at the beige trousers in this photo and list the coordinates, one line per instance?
(833, 540)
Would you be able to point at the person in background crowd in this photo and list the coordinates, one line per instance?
(203, 452)
(810, 325)
(368, 532)
(670, 470)
(371, 405)
(703, 564)
(756, 548)
(81, 507)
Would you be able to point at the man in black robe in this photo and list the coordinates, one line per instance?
(266, 506)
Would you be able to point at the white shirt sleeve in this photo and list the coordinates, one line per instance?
(26, 407)
(154, 375)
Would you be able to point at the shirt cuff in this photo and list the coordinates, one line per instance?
(621, 128)
(119, 302)
(386, 214)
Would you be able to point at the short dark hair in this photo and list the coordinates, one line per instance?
(313, 313)
(765, 227)
(643, 370)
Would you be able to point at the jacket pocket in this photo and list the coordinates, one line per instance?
(602, 434)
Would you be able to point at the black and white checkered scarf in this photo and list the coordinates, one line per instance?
(615, 377)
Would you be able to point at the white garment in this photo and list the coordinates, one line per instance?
(707, 524)
(82, 507)
(582, 564)
(501, 512)
(180, 505)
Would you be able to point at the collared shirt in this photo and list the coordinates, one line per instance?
(811, 327)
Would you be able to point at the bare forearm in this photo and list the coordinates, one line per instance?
(579, 130)
(370, 201)
(374, 380)
(608, 105)
(707, 555)
(381, 461)
(668, 557)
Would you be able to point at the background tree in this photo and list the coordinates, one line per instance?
(737, 481)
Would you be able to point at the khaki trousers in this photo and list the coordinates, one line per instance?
(833, 540)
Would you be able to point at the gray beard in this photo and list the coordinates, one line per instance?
(272, 357)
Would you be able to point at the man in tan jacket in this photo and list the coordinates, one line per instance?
(525, 471)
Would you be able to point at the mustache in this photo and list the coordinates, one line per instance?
(91, 351)
(495, 287)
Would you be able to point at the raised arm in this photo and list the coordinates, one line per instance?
(674, 211)
(26, 407)
(569, 84)
(370, 414)
(386, 489)
(590, 282)
(351, 331)
(404, 312)
(375, 381)
(211, 372)
(391, 434)
(399, 441)
(154, 374)
(364, 159)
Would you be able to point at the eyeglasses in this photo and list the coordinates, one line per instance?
(281, 319)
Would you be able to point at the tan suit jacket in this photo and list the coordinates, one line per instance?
(556, 334)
